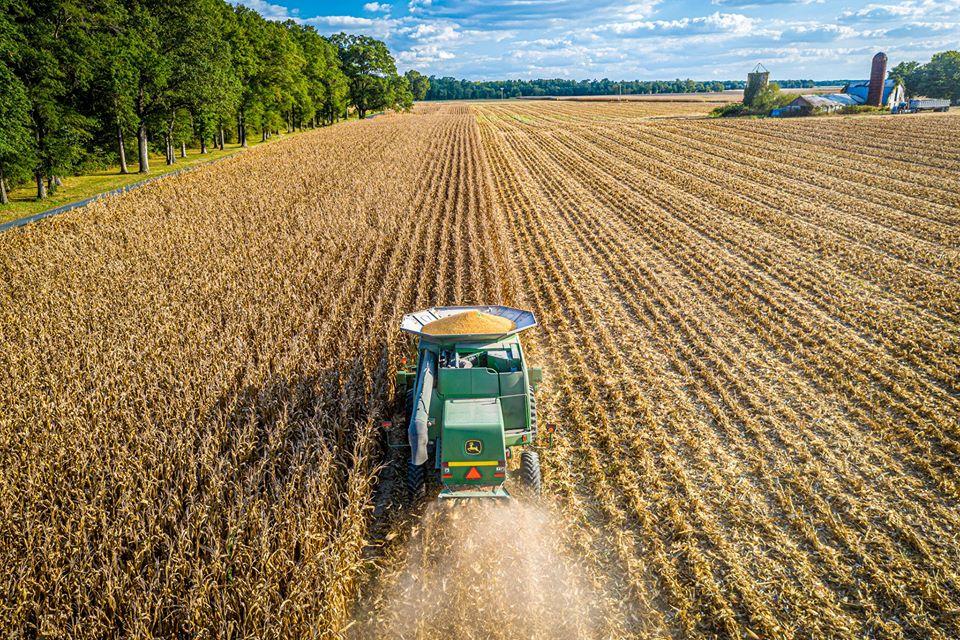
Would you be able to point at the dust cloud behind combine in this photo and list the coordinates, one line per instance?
(484, 569)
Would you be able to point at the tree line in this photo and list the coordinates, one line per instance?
(939, 78)
(454, 89)
(83, 80)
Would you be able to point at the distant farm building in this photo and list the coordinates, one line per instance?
(859, 93)
(807, 105)
(853, 95)
(893, 92)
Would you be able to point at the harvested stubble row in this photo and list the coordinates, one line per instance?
(777, 410)
(752, 359)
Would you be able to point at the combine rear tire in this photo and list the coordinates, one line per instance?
(530, 470)
(416, 481)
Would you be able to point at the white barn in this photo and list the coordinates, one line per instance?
(893, 92)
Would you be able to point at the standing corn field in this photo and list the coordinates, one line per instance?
(753, 351)
(190, 375)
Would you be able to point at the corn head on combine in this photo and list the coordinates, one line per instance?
(469, 400)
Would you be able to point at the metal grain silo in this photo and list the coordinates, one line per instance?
(878, 73)
(756, 82)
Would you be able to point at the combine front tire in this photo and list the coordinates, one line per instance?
(416, 481)
(530, 471)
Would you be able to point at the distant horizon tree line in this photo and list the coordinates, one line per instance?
(940, 78)
(447, 88)
(84, 80)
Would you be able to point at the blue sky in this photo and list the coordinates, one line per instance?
(645, 39)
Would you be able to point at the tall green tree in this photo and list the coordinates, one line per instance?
(52, 62)
(907, 74)
(246, 35)
(152, 71)
(335, 88)
(202, 80)
(400, 98)
(16, 154)
(368, 65)
(419, 84)
(300, 106)
(312, 47)
(227, 78)
(115, 76)
(941, 76)
(278, 77)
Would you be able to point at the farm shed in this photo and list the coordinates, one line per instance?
(806, 105)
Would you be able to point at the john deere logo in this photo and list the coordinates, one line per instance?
(473, 447)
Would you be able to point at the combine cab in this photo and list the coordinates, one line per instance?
(469, 400)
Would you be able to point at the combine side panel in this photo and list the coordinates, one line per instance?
(420, 417)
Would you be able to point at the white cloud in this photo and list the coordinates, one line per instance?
(376, 27)
(424, 55)
(418, 5)
(638, 10)
(343, 21)
(433, 32)
(921, 29)
(917, 9)
(377, 7)
(874, 12)
(549, 43)
(267, 10)
(725, 23)
(816, 32)
(761, 3)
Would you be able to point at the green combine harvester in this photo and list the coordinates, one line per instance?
(469, 400)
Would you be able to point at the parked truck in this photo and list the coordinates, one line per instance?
(916, 105)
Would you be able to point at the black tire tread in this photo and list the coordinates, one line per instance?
(416, 481)
(530, 471)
